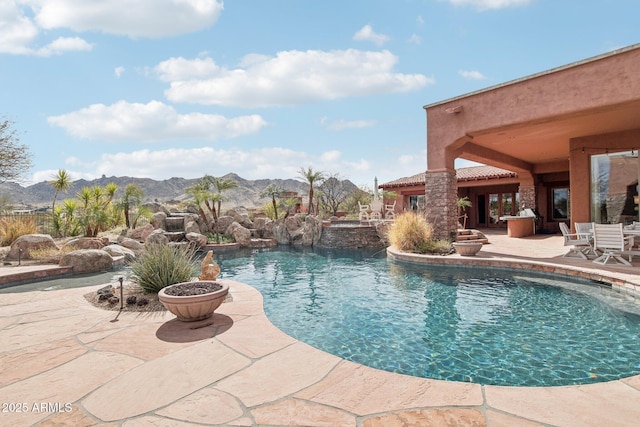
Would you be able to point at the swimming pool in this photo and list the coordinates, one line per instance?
(486, 326)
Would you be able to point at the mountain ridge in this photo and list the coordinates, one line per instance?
(247, 194)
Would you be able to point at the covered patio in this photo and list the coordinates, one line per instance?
(566, 132)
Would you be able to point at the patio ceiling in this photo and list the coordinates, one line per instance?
(526, 146)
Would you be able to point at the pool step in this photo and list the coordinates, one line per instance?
(468, 235)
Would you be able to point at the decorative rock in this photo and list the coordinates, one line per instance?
(120, 251)
(141, 233)
(105, 296)
(156, 237)
(131, 300)
(241, 235)
(21, 248)
(158, 220)
(142, 301)
(83, 243)
(264, 227)
(191, 227)
(293, 230)
(312, 230)
(223, 223)
(243, 220)
(106, 290)
(114, 300)
(131, 244)
(88, 261)
(197, 238)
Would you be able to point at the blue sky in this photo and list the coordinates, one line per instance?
(184, 88)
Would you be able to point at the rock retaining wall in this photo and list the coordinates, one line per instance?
(358, 237)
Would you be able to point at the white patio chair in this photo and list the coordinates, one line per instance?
(609, 238)
(363, 215)
(376, 209)
(578, 244)
(390, 211)
(584, 230)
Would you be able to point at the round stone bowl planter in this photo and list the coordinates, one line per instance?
(191, 308)
(467, 248)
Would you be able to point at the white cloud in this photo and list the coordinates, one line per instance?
(289, 78)
(22, 21)
(258, 163)
(180, 69)
(150, 122)
(472, 75)
(119, 71)
(64, 44)
(366, 33)
(17, 31)
(489, 4)
(420, 21)
(140, 18)
(338, 125)
(415, 39)
(331, 156)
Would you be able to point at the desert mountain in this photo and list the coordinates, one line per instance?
(247, 194)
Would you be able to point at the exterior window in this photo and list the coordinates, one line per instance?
(560, 197)
(416, 202)
(614, 187)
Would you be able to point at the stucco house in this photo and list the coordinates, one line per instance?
(492, 191)
(571, 135)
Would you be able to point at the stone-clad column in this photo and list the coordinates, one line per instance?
(527, 196)
(441, 191)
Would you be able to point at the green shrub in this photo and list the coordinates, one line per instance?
(436, 247)
(162, 265)
(410, 232)
(219, 237)
(12, 228)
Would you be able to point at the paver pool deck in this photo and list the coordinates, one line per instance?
(66, 362)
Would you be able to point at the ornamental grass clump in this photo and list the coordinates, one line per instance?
(410, 232)
(163, 265)
(12, 228)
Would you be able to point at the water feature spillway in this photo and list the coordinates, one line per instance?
(350, 235)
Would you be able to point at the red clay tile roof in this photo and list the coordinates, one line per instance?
(405, 182)
(475, 173)
(472, 173)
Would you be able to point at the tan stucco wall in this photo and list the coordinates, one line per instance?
(547, 96)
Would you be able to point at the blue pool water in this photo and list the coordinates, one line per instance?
(477, 325)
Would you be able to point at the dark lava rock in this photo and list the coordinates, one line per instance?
(192, 288)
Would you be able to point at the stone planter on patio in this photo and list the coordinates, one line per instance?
(467, 248)
(192, 301)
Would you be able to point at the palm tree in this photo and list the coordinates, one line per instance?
(311, 177)
(221, 185)
(203, 195)
(273, 191)
(61, 182)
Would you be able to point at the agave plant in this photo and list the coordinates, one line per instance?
(163, 265)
